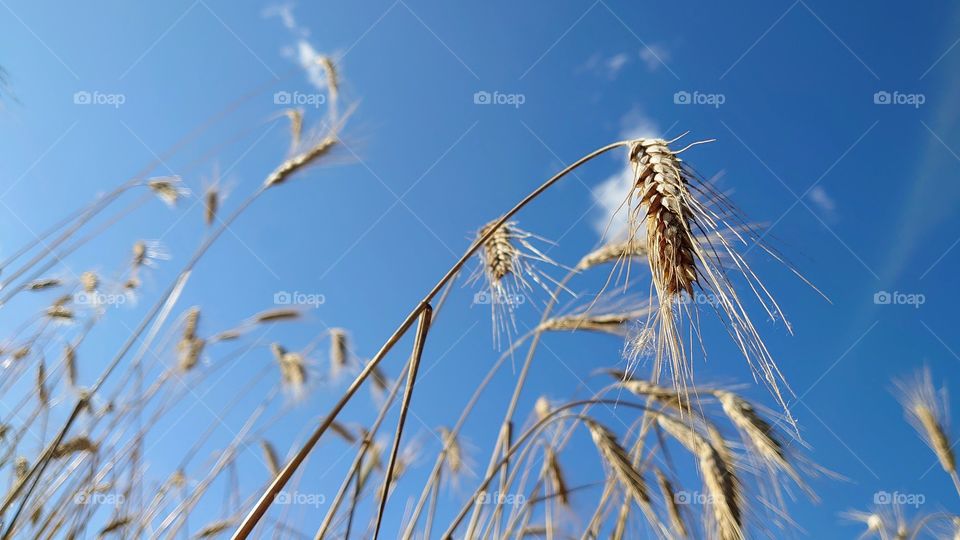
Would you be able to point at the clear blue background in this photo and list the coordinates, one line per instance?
(861, 196)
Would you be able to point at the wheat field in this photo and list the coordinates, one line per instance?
(96, 442)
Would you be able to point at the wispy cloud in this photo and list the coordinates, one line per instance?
(302, 52)
(654, 56)
(611, 193)
(824, 202)
(284, 12)
(606, 66)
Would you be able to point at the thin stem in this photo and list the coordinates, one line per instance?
(260, 508)
(550, 417)
(420, 340)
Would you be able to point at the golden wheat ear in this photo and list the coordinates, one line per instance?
(926, 408)
(690, 243)
(509, 270)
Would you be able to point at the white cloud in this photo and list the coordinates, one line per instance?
(608, 67)
(284, 12)
(822, 200)
(654, 56)
(303, 53)
(309, 60)
(615, 63)
(611, 193)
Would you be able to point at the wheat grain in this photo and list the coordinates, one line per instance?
(927, 411)
(42, 395)
(670, 501)
(756, 431)
(613, 252)
(276, 315)
(295, 163)
(70, 364)
(719, 478)
(339, 352)
(508, 256)
(609, 323)
(662, 191)
(75, 445)
(21, 466)
(60, 312)
(169, 189)
(686, 246)
(43, 284)
(623, 470)
(211, 204)
(215, 528)
(189, 352)
(333, 78)
(270, 457)
(296, 126)
(554, 475)
(453, 453)
(542, 407)
(293, 371)
(89, 281)
(115, 525)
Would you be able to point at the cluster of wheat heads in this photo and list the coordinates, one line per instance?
(926, 408)
(681, 460)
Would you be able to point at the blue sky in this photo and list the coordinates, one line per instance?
(859, 193)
